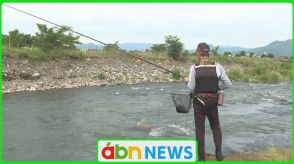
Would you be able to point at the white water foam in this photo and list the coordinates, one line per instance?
(156, 132)
(178, 127)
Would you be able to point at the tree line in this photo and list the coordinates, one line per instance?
(55, 38)
(47, 38)
(60, 38)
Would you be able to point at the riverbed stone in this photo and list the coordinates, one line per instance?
(70, 73)
(36, 75)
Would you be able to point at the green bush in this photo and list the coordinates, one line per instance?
(286, 65)
(235, 73)
(271, 77)
(259, 70)
(176, 74)
(173, 46)
(101, 76)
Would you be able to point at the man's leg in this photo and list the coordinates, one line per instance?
(199, 118)
(212, 115)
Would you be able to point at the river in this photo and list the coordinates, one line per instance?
(64, 124)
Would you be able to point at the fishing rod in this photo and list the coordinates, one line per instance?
(108, 45)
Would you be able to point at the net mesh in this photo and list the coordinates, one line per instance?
(182, 101)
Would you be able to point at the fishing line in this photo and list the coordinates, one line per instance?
(86, 36)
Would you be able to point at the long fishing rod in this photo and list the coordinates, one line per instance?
(118, 49)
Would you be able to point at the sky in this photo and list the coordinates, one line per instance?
(227, 24)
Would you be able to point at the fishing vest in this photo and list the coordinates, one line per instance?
(206, 79)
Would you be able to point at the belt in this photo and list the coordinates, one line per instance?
(197, 98)
(209, 94)
(205, 95)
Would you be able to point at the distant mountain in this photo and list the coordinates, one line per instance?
(125, 46)
(232, 49)
(135, 46)
(88, 46)
(278, 48)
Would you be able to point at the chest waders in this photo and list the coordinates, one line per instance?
(206, 89)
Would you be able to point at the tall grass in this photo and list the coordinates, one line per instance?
(262, 70)
(253, 69)
(35, 54)
(66, 53)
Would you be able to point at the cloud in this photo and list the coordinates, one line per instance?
(241, 24)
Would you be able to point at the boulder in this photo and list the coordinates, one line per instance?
(36, 75)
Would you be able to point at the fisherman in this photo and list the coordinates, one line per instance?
(205, 80)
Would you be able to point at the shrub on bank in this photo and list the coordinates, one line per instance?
(235, 73)
(176, 74)
(101, 76)
(271, 77)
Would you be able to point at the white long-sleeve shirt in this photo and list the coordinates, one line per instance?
(224, 81)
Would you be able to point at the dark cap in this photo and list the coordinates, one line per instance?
(203, 47)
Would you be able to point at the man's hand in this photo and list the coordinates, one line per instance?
(185, 79)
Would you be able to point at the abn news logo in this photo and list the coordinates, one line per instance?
(146, 150)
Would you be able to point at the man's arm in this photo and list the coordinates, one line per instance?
(191, 83)
(224, 81)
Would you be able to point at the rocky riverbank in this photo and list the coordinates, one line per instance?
(20, 75)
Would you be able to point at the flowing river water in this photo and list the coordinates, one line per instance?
(64, 124)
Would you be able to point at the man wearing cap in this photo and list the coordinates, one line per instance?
(205, 80)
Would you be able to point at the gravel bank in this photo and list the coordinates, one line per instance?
(20, 75)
